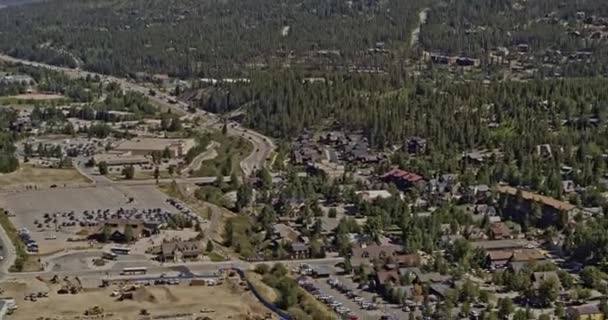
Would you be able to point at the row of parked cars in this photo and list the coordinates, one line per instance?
(31, 244)
(365, 305)
(330, 301)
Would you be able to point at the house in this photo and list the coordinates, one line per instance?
(415, 145)
(369, 254)
(513, 258)
(439, 289)
(404, 179)
(478, 193)
(517, 204)
(116, 229)
(371, 195)
(418, 277)
(307, 152)
(178, 250)
(299, 250)
(584, 312)
(286, 233)
(498, 259)
(499, 231)
(496, 245)
(526, 257)
(17, 79)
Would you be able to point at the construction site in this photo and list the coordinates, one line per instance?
(64, 298)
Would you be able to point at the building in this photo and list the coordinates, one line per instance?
(404, 179)
(369, 254)
(122, 159)
(499, 231)
(519, 202)
(495, 245)
(584, 312)
(145, 146)
(299, 250)
(416, 145)
(371, 195)
(178, 250)
(117, 228)
(17, 78)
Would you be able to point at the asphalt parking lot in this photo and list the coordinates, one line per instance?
(346, 302)
(55, 215)
(383, 307)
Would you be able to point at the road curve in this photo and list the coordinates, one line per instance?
(262, 145)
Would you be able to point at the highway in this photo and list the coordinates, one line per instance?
(262, 150)
(262, 145)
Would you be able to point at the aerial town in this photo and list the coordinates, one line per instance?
(303, 161)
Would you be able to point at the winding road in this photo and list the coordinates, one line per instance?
(262, 145)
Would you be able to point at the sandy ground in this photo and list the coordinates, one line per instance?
(227, 301)
(37, 96)
(29, 175)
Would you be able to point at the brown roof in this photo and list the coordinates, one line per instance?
(585, 309)
(547, 201)
(527, 255)
(408, 260)
(505, 244)
(500, 230)
(118, 226)
(385, 276)
(186, 247)
(375, 251)
(500, 255)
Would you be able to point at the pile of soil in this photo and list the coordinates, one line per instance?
(169, 295)
(143, 295)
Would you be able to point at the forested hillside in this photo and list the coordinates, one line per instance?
(550, 31)
(201, 38)
(514, 117)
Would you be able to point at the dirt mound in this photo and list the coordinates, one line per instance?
(143, 295)
(169, 295)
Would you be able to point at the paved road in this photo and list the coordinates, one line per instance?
(195, 267)
(263, 146)
(196, 163)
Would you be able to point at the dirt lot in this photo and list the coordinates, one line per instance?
(29, 175)
(227, 301)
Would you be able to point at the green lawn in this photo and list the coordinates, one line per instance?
(231, 151)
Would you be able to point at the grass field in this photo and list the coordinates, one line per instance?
(32, 98)
(28, 174)
(230, 152)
